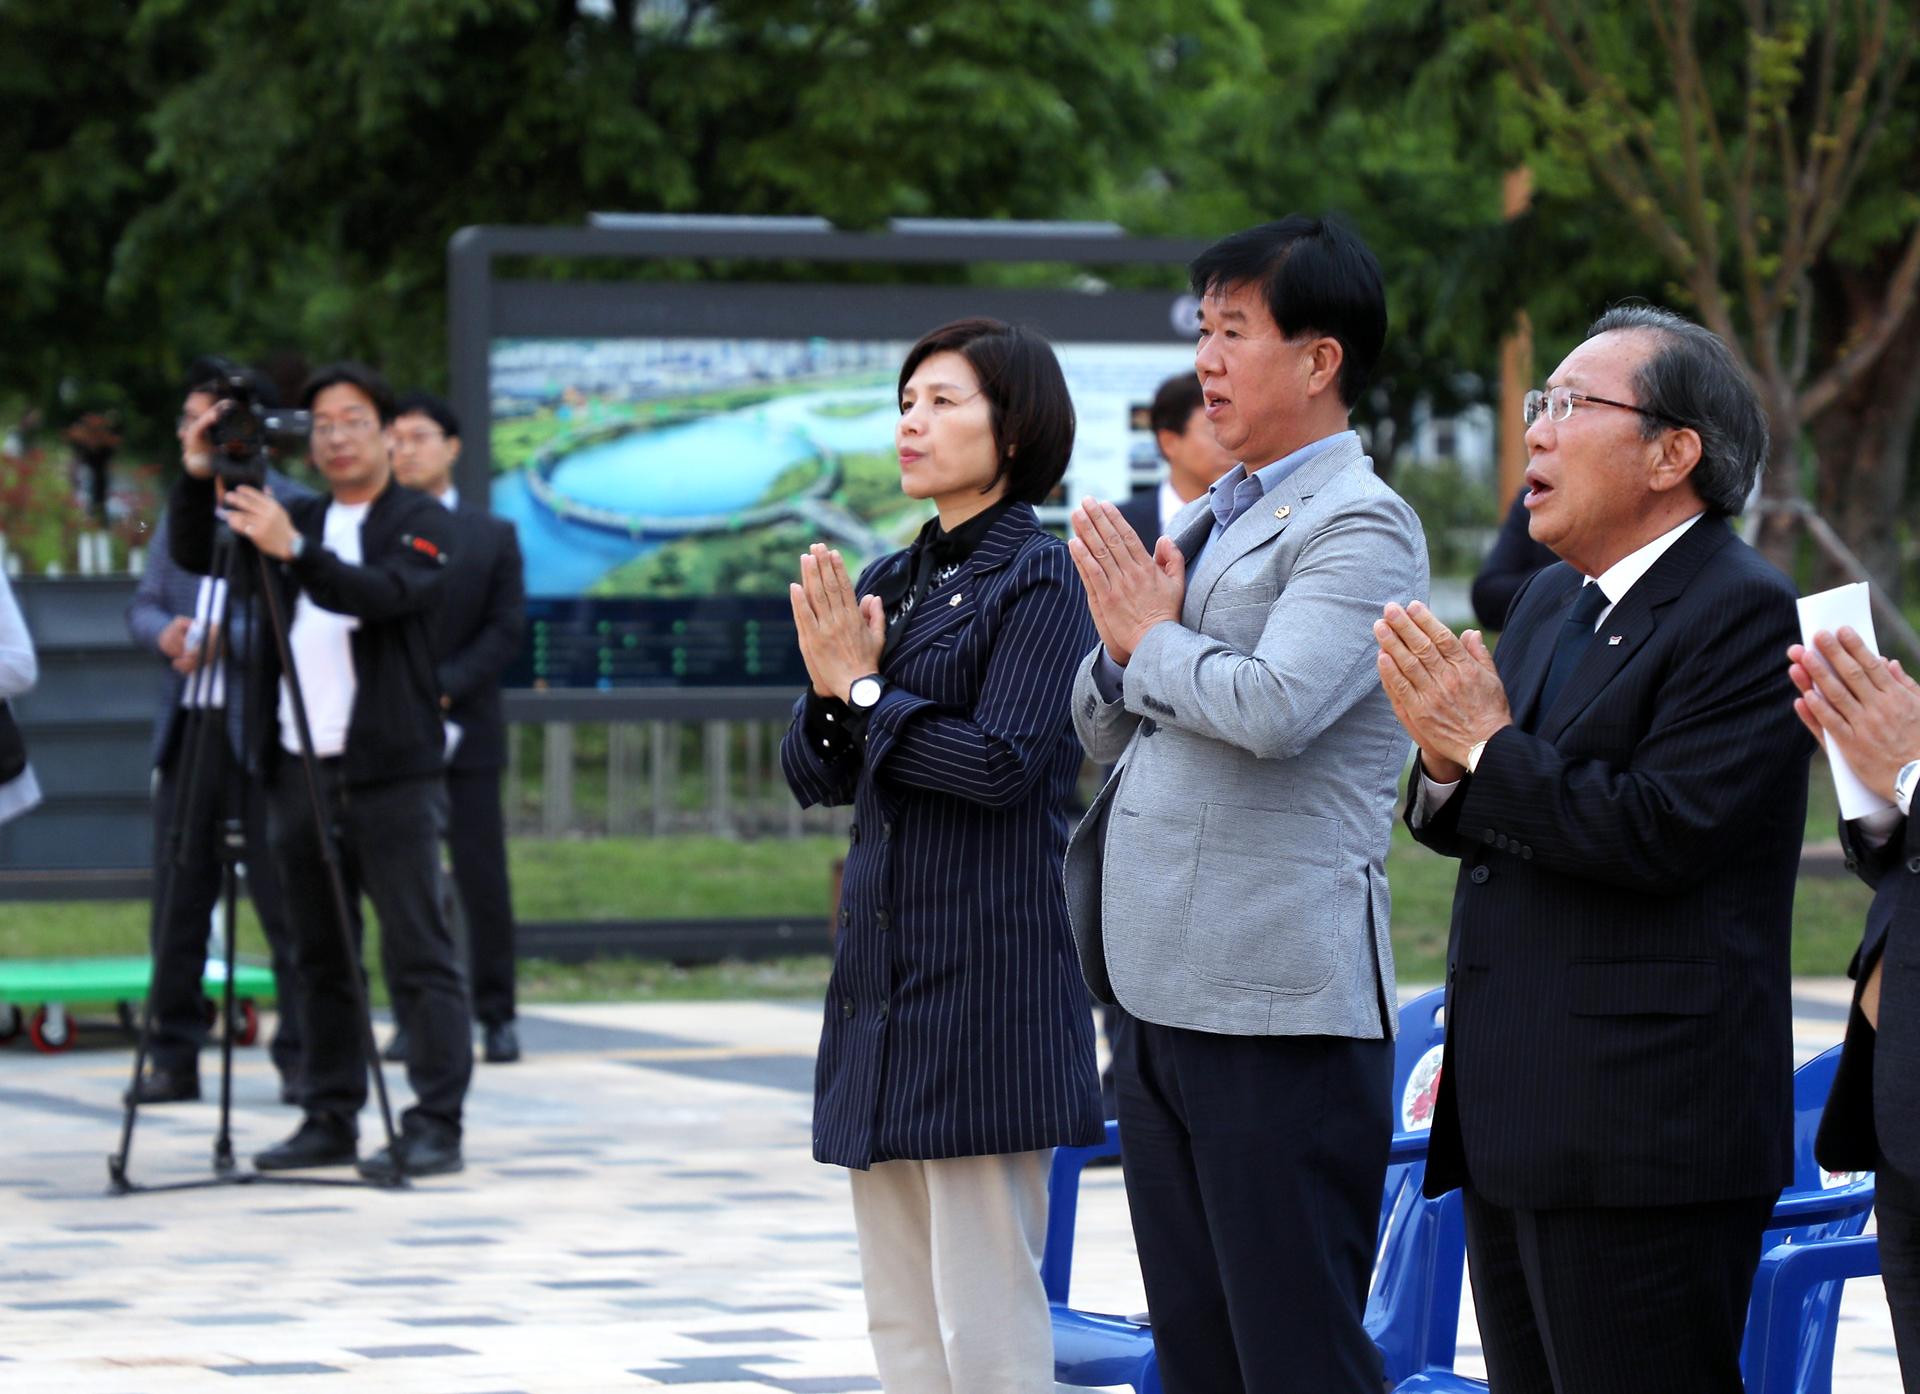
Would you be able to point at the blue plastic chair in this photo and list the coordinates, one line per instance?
(1787, 1304)
(1421, 1243)
(1793, 1316)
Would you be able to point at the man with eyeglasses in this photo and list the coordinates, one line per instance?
(476, 635)
(171, 614)
(360, 572)
(1626, 790)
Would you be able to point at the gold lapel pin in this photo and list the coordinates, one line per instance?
(1283, 510)
(955, 601)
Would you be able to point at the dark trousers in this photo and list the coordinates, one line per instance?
(186, 890)
(477, 839)
(1896, 1213)
(1594, 1301)
(388, 836)
(1254, 1168)
(1113, 1020)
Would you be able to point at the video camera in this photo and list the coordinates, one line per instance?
(246, 432)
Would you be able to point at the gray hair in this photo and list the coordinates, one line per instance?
(1692, 378)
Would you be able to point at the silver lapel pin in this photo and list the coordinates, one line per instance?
(1282, 511)
(1613, 639)
(956, 599)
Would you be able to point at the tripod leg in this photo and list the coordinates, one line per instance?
(233, 847)
(187, 814)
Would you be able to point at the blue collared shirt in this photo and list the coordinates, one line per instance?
(1232, 494)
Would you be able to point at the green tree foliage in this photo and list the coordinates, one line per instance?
(244, 174)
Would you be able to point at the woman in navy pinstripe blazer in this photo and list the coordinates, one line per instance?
(957, 1046)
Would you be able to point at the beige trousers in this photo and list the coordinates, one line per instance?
(950, 1260)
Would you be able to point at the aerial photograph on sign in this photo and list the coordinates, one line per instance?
(663, 489)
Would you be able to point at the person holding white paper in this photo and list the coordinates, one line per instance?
(1868, 710)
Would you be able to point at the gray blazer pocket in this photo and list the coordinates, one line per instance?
(1237, 622)
(1264, 908)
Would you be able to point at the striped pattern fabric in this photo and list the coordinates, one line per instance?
(1874, 1108)
(1619, 1025)
(956, 1024)
(167, 589)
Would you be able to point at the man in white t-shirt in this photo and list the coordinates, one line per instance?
(360, 576)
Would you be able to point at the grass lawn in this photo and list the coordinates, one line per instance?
(663, 878)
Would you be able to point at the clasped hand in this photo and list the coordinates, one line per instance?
(1867, 706)
(1128, 591)
(841, 635)
(1444, 689)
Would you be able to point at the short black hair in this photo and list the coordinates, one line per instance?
(433, 408)
(213, 374)
(1175, 403)
(1030, 408)
(1319, 278)
(357, 375)
(1692, 378)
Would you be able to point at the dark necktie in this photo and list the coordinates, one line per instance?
(1576, 636)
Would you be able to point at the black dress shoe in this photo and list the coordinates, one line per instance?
(421, 1154)
(321, 1140)
(158, 1086)
(396, 1051)
(502, 1044)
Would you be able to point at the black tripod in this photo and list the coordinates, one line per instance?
(247, 577)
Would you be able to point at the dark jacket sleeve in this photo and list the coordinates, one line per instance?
(1513, 559)
(494, 644)
(996, 752)
(148, 613)
(1872, 863)
(190, 524)
(1721, 741)
(401, 576)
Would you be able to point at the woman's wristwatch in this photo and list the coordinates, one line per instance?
(864, 695)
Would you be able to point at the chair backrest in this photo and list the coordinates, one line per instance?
(1843, 1201)
(1413, 1308)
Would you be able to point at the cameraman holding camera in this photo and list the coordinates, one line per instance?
(361, 571)
(169, 614)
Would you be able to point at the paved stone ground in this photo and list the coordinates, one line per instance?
(639, 1210)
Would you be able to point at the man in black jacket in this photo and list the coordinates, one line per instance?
(1626, 795)
(360, 573)
(1869, 710)
(475, 637)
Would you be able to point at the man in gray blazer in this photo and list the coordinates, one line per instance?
(1226, 887)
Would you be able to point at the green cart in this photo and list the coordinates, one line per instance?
(36, 995)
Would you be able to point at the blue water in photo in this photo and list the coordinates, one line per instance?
(718, 464)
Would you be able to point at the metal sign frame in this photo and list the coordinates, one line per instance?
(482, 308)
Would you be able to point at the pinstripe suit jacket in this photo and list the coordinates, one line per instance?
(1875, 1103)
(1619, 1021)
(956, 1024)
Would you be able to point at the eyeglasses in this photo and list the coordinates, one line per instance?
(1557, 403)
(354, 425)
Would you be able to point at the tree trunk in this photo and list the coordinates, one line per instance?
(1779, 533)
(1864, 447)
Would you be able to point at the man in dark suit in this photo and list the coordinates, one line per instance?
(170, 610)
(1870, 711)
(476, 635)
(1626, 793)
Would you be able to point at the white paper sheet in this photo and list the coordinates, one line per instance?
(1829, 610)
